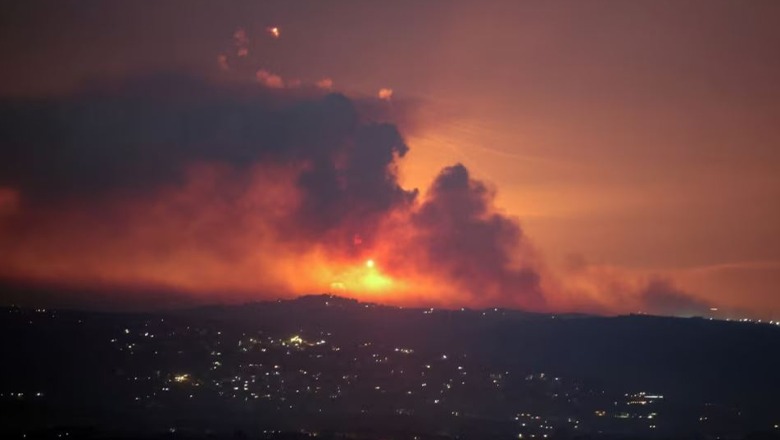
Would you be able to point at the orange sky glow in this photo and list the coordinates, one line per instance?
(615, 159)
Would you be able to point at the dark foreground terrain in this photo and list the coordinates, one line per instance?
(328, 367)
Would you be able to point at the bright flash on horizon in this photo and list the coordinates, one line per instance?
(364, 277)
(273, 31)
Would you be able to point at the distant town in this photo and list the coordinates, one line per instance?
(310, 368)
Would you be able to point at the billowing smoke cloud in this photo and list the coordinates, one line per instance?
(474, 245)
(245, 190)
(145, 134)
(197, 176)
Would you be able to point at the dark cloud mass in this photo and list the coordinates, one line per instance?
(139, 135)
(136, 142)
(463, 235)
(194, 183)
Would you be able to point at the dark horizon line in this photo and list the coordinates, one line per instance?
(195, 305)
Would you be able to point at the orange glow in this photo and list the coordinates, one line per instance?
(269, 79)
(385, 94)
(273, 31)
(325, 83)
(363, 280)
(664, 166)
(189, 239)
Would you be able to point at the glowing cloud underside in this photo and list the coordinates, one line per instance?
(246, 191)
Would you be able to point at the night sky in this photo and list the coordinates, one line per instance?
(605, 157)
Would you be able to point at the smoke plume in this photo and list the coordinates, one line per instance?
(243, 191)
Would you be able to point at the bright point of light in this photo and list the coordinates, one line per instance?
(385, 94)
(363, 276)
(273, 31)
